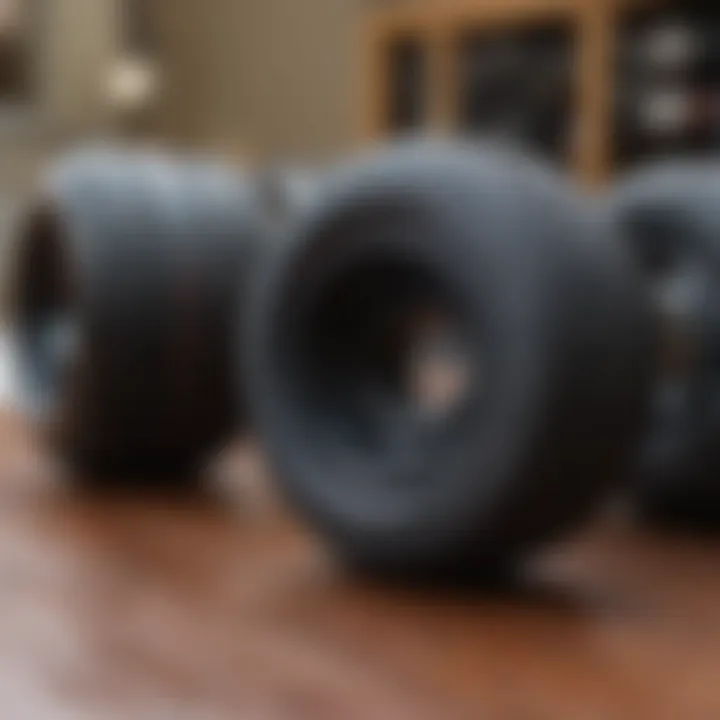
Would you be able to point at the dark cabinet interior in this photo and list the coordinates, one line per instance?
(517, 84)
(599, 85)
(668, 84)
(408, 101)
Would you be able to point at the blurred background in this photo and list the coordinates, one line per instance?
(595, 86)
(600, 83)
(254, 79)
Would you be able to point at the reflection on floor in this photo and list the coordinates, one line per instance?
(216, 605)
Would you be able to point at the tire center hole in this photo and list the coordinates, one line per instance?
(438, 369)
(48, 327)
(384, 357)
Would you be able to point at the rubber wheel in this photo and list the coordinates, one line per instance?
(669, 215)
(131, 272)
(491, 263)
(284, 194)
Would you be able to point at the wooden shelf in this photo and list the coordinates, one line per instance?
(439, 24)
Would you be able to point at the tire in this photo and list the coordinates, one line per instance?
(141, 261)
(669, 215)
(284, 195)
(544, 306)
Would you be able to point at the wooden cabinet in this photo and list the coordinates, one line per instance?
(413, 55)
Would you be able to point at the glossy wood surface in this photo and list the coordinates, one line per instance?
(217, 605)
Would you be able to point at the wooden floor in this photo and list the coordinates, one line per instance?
(196, 608)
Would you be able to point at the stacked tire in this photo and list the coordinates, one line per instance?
(448, 353)
(669, 216)
(545, 329)
(130, 277)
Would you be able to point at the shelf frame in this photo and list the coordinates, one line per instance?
(438, 25)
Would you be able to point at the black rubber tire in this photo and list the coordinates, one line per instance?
(148, 259)
(544, 298)
(284, 194)
(669, 214)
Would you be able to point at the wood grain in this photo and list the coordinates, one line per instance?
(219, 606)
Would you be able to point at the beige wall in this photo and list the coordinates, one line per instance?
(273, 78)
(71, 44)
(188, 53)
(76, 42)
(299, 75)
